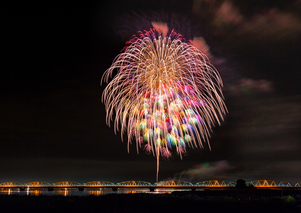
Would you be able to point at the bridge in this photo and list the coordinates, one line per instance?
(135, 184)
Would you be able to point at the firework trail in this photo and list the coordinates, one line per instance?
(166, 95)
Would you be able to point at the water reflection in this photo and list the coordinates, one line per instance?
(75, 192)
(132, 190)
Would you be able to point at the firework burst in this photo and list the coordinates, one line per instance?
(166, 95)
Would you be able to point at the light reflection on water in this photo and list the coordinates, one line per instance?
(86, 192)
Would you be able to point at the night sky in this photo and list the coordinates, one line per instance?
(52, 121)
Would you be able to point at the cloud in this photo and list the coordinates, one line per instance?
(249, 86)
(273, 24)
(228, 13)
(205, 171)
(201, 45)
(160, 27)
(287, 171)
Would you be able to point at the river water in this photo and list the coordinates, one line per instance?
(86, 192)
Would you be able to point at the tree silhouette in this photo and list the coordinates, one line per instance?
(241, 184)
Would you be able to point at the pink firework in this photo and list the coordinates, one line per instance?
(166, 94)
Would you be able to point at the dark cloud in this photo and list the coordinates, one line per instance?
(219, 170)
